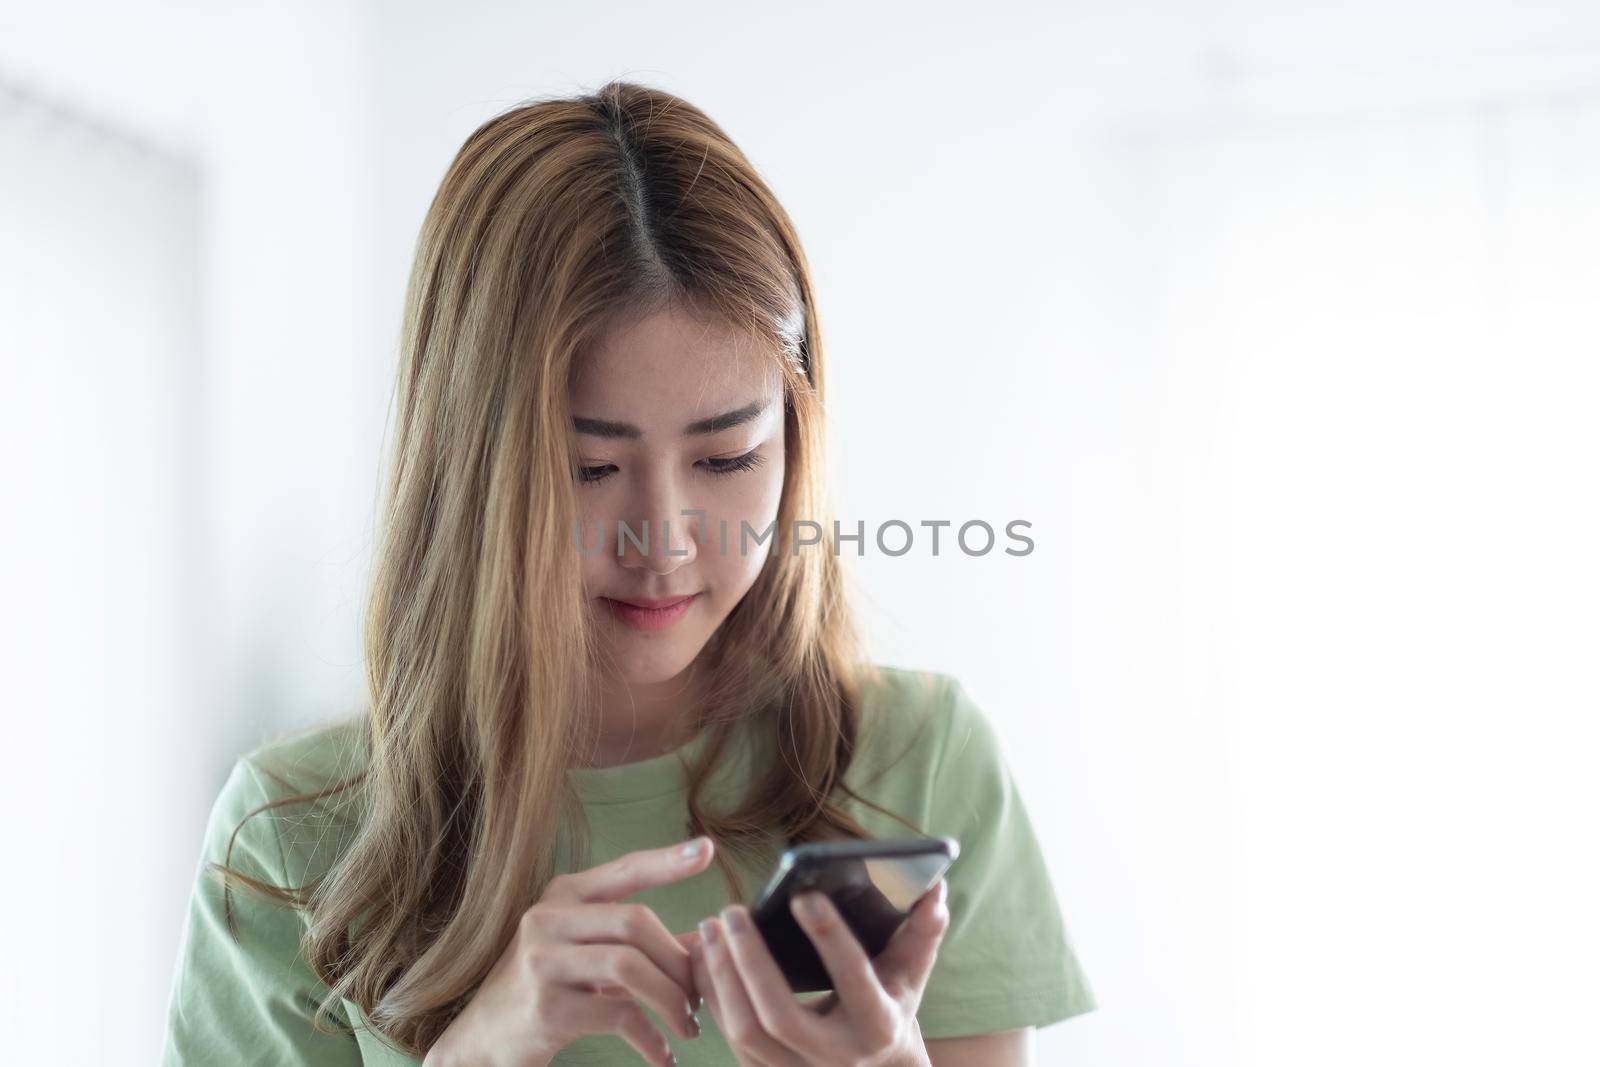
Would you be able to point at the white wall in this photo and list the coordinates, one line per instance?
(99, 315)
(193, 390)
(1275, 321)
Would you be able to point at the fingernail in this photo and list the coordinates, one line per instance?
(699, 1002)
(708, 931)
(693, 848)
(808, 906)
(672, 1061)
(735, 918)
(694, 1024)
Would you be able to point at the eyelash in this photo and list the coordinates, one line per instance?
(749, 461)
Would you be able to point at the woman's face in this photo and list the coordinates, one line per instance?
(672, 413)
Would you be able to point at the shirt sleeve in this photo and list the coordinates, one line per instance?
(246, 1000)
(1006, 960)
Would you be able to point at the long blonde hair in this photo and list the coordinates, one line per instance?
(554, 218)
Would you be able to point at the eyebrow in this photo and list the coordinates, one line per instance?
(699, 428)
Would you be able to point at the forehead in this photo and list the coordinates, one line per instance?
(667, 365)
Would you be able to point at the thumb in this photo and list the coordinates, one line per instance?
(908, 959)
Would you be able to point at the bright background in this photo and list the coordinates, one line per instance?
(1277, 322)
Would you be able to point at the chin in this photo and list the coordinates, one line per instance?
(642, 666)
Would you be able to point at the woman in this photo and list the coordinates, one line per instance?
(593, 639)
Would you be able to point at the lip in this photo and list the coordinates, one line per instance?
(650, 613)
(654, 603)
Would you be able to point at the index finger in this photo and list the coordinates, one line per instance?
(625, 924)
(622, 877)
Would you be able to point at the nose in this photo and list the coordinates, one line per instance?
(659, 540)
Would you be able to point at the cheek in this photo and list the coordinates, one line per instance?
(753, 498)
(753, 504)
(593, 566)
(597, 530)
(767, 485)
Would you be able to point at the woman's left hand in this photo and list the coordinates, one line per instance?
(869, 1019)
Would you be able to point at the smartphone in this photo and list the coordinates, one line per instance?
(873, 884)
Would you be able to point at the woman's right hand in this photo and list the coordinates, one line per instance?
(582, 963)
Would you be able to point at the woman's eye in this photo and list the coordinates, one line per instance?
(748, 461)
(590, 475)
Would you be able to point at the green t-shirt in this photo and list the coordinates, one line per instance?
(927, 753)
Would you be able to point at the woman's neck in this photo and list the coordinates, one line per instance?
(642, 721)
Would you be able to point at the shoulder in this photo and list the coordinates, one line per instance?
(311, 758)
(920, 732)
(886, 685)
(931, 711)
(294, 802)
